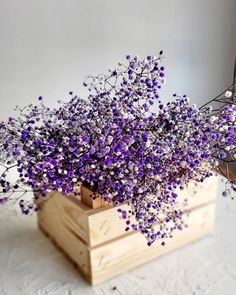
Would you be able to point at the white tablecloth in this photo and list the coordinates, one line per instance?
(30, 264)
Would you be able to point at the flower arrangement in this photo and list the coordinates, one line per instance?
(124, 143)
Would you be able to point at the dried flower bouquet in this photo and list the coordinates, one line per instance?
(124, 143)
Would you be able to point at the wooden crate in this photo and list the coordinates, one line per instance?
(94, 238)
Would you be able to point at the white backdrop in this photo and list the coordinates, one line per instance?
(47, 47)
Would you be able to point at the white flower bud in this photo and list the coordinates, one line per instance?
(213, 118)
(148, 143)
(228, 94)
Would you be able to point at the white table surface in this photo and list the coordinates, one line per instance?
(30, 264)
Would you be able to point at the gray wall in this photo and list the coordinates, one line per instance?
(48, 46)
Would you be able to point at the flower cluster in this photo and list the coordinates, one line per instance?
(123, 142)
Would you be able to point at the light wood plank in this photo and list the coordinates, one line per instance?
(51, 222)
(87, 197)
(96, 226)
(105, 225)
(118, 256)
(112, 258)
(95, 241)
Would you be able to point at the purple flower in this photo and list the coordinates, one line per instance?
(108, 161)
(85, 138)
(124, 142)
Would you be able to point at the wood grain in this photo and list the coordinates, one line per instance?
(92, 200)
(120, 255)
(105, 225)
(95, 241)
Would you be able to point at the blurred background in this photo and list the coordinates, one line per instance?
(48, 47)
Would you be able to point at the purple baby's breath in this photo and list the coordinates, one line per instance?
(123, 142)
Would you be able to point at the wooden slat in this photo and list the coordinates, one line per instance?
(94, 239)
(74, 215)
(106, 224)
(109, 259)
(96, 226)
(51, 222)
(87, 197)
(118, 256)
